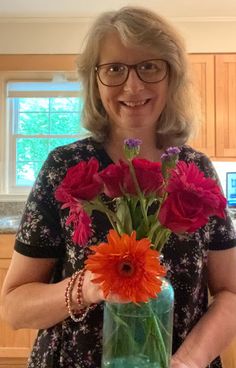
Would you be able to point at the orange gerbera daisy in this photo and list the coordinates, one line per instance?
(126, 267)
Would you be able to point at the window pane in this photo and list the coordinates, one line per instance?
(31, 149)
(33, 104)
(56, 142)
(31, 153)
(33, 118)
(65, 123)
(33, 123)
(26, 173)
(70, 104)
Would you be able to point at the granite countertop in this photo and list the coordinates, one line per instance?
(9, 224)
(10, 216)
(10, 220)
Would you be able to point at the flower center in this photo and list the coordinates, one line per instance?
(126, 268)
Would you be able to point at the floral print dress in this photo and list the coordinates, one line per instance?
(44, 234)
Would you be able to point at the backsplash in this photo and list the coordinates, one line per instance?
(11, 208)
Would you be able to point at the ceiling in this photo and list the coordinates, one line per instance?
(90, 8)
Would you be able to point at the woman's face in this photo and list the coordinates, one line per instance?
(134, 104)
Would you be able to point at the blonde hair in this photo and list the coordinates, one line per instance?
(140, 27)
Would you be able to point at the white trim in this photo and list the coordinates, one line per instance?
(88, 19)
(13, 197)
(51, 88)
(15, 20)
(8, 189)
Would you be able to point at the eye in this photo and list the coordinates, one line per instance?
(150, 66)
(112, 69)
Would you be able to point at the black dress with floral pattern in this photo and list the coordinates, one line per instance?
(43, 234)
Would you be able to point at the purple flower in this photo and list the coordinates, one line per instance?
(169, 153)
(169, 160)
(132, 147)
(132, 142)
(173, 150)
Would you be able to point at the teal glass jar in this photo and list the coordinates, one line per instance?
(139, 335)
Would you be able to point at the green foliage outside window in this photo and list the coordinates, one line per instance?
(40, 125)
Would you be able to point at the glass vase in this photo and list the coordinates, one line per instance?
(139, 335)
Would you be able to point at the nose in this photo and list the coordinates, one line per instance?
(133, 82)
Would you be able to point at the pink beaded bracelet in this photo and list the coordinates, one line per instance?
(81, 312)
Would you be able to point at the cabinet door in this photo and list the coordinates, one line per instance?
(229, 356)
(13, 344)
(226, 105)
(202, 69)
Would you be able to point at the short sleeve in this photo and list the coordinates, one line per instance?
(221, 232)
(40, 234)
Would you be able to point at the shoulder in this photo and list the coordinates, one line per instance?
(72, 153)
(189, 154)
(62, 158)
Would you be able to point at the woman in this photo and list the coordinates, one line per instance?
(135, 79)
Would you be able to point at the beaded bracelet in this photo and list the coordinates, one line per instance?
(82, 312)
(80, 301)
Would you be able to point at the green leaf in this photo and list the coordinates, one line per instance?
(123, 214)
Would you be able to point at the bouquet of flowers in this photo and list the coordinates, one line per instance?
(144, 201)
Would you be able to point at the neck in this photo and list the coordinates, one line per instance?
(148, 150)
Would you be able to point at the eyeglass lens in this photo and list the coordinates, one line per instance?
(149, 71)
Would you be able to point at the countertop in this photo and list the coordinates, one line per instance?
(9, 224)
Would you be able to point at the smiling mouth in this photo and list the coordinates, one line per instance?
(135, 103)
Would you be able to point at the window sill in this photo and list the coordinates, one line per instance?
(13, 197)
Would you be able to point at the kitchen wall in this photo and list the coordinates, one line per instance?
(65, 36)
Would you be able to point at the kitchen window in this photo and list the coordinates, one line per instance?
(40, 116)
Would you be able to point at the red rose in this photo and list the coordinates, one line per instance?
(117, 180)
(80, 182)
(148, 175)
(192, 198)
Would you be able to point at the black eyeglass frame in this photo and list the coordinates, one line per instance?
(132, 66)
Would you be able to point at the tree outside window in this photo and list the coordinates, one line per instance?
(39, 124)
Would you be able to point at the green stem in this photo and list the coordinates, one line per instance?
(140, 194)
(127, 343)
(100, 206)
(161, 238)
(160, 344)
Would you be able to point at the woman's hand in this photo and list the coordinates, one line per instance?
(92, 292)
(178, 363)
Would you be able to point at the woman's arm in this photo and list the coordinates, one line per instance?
(217, 327)
(29, 301)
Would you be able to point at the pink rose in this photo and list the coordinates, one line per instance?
(191, 199)
(80, 182)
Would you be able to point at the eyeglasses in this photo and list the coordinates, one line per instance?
(116, 74)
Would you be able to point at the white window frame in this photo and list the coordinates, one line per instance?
(9, 191)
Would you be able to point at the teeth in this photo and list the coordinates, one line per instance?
(134, 103)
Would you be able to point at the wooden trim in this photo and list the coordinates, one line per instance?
(13, 362)
(38, 62)
(8, 352)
